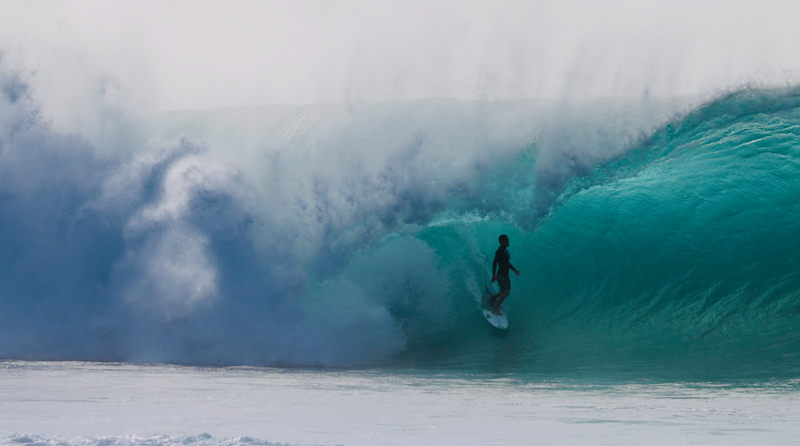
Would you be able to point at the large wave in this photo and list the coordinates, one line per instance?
(347, 234)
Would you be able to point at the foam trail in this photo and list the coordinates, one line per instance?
(134, 440)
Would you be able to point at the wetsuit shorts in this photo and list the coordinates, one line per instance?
(504, 283)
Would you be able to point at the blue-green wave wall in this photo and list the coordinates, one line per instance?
(679, 256)
(653, 236)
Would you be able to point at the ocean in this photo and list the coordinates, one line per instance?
(312, 273)
(94, 404)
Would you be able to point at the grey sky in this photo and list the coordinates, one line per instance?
(156, 55)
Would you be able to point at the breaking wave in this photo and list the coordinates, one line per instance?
(344, 235)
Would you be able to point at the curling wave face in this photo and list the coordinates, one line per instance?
(345, 235)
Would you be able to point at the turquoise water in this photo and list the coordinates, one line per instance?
(678, 256)
(655, 238)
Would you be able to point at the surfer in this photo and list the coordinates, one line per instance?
(500, 267)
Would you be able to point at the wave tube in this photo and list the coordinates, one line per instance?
(345, 235)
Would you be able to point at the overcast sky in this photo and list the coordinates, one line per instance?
(163, 54)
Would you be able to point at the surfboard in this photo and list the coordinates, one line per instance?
(500, 322)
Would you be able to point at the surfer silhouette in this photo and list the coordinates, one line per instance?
(500, 267)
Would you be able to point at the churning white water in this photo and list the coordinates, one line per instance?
(75, 403)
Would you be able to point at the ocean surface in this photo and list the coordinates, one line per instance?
(342, 246)
(102, 404)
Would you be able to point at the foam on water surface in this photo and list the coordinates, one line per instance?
(123, 404)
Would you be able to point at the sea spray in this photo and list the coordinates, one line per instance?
(347, 234)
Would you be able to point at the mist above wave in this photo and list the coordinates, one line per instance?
(259, 235)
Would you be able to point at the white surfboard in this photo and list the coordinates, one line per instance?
(500, 322)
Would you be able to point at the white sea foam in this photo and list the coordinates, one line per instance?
(254, 235)
(133, 440)
(85, 404)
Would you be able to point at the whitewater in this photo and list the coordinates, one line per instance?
(95, 404)
(331, 254)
